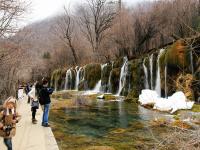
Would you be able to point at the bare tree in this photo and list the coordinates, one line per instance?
(64, 29)
(96, 18)
(10, 12)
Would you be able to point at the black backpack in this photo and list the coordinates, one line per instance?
(41, 97)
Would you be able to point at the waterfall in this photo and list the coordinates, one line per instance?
(123, 74)
(191, 62)
(158, 82)
(109, 80)
(55, 85)
(165, 81)
(78, 77)
(102, 86)
(146, 75)
(151, 69)
(97, 88)
(68, 79)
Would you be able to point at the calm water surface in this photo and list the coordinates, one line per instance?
(121, 125)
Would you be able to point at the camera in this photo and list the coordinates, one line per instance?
(7, 129)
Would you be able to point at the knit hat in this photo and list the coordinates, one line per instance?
(10, 100)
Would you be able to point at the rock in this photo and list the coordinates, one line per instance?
(101, 97)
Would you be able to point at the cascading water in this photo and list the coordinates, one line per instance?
(151, 70)
(158, 84)
(98, 86)
(109, 80)
(124, 71)
(146, 75)
(166, 81)
(55, 85)
(78, 77)
(68, 79)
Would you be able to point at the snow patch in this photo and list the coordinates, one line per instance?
(173, 103)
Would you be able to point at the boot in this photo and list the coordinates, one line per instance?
(34, 121)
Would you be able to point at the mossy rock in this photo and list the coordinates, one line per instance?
(73, 81)
(134, 79)
(115, 75)
(175, 59)
(176, 56)
(132, 96)
(56, 79)
(62, 95)
(109, 97)
(81, 86)
(118, 62)
(92, 75)
(196, 108)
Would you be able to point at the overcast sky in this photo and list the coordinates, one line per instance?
(41, 9)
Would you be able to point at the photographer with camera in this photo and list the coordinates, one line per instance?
(8, 120)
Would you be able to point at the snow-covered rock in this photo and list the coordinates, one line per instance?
(173, 103)
(101, 96)
(148, 97)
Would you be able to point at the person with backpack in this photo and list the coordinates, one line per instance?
(8, 119)
(34, 103)
(45, 101)
(27, 90)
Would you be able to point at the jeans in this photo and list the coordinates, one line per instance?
(45, 118)
(8, 143)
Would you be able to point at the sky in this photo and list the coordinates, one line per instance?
(41, 9)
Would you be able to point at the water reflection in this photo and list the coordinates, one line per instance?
(122, 115)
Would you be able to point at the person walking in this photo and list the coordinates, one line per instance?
(27, 90)
(8, 119)
(34, 103)
(44, 99)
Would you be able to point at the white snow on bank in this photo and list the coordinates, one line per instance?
(173, 103)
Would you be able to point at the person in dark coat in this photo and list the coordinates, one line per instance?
(44, 95)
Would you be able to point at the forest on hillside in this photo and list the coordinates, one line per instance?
(97, 31)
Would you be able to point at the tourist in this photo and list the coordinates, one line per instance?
(27, 90)
(34, 103)
(20, 92)
(44, 99)
(8, 119)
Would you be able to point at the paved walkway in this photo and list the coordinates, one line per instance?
(30, 136)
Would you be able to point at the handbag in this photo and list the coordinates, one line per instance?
(35, 104)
